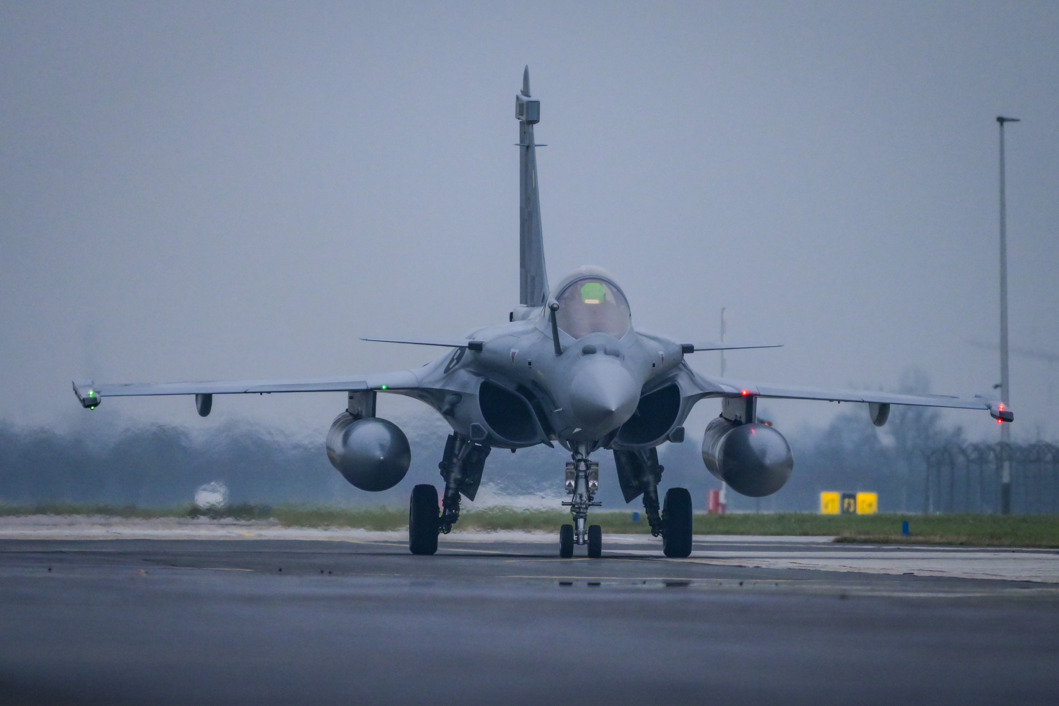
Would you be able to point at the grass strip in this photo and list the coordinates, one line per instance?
(1036, 531)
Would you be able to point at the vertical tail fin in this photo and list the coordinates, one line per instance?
(533, 277)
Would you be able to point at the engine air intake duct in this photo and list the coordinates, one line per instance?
(655, 416)
(508, 414)
(753, 459)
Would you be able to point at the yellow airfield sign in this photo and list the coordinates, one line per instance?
(834, 503)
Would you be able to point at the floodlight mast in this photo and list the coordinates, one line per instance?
(1005, 381)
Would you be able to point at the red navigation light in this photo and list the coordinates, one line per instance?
(746, 393)
(1002, 414)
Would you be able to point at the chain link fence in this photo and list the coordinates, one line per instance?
(966, 478)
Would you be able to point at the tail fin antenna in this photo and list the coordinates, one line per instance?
(533, 276)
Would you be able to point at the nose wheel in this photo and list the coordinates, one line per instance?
(566, 541)
(594, 540)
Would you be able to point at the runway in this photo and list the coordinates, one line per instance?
(247, 614)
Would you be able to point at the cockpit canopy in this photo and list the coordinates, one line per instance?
(589, 303)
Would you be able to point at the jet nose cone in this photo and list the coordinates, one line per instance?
(603, 395)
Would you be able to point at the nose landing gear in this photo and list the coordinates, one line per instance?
(582, 482)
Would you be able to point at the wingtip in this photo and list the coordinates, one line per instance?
(86, 394)
(1000, 412)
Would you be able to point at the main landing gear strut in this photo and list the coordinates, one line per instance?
(461, 468)
(639, 473)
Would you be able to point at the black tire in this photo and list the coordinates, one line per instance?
(423, 520)
(566, 541)
(676, 523)
(595, 541)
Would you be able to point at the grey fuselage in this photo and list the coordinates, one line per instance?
(518, 389)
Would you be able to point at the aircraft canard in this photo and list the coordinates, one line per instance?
(569, 368)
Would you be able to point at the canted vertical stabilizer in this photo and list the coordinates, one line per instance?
(533, 277)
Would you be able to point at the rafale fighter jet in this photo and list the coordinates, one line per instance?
(567, 368)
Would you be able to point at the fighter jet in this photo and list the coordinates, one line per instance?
(568, 368)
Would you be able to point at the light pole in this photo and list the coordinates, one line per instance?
(723, 500)
(1005, 389)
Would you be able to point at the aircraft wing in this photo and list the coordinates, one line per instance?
(463, 343)
(717, 387)
(90, 394)
(718, 346)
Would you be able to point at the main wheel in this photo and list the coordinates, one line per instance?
(595, 541)
(566, 541)
(676, 523)
(423, 520)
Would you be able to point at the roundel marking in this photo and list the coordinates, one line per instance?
(457, 356)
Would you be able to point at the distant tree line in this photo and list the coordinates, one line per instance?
(155, 466)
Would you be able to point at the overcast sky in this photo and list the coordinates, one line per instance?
(220, 190)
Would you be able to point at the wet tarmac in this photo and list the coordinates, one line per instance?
(122, 613)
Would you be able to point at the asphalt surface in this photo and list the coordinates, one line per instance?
(246, 614)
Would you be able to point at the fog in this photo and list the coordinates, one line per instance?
(163, 466)
(195, 190)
